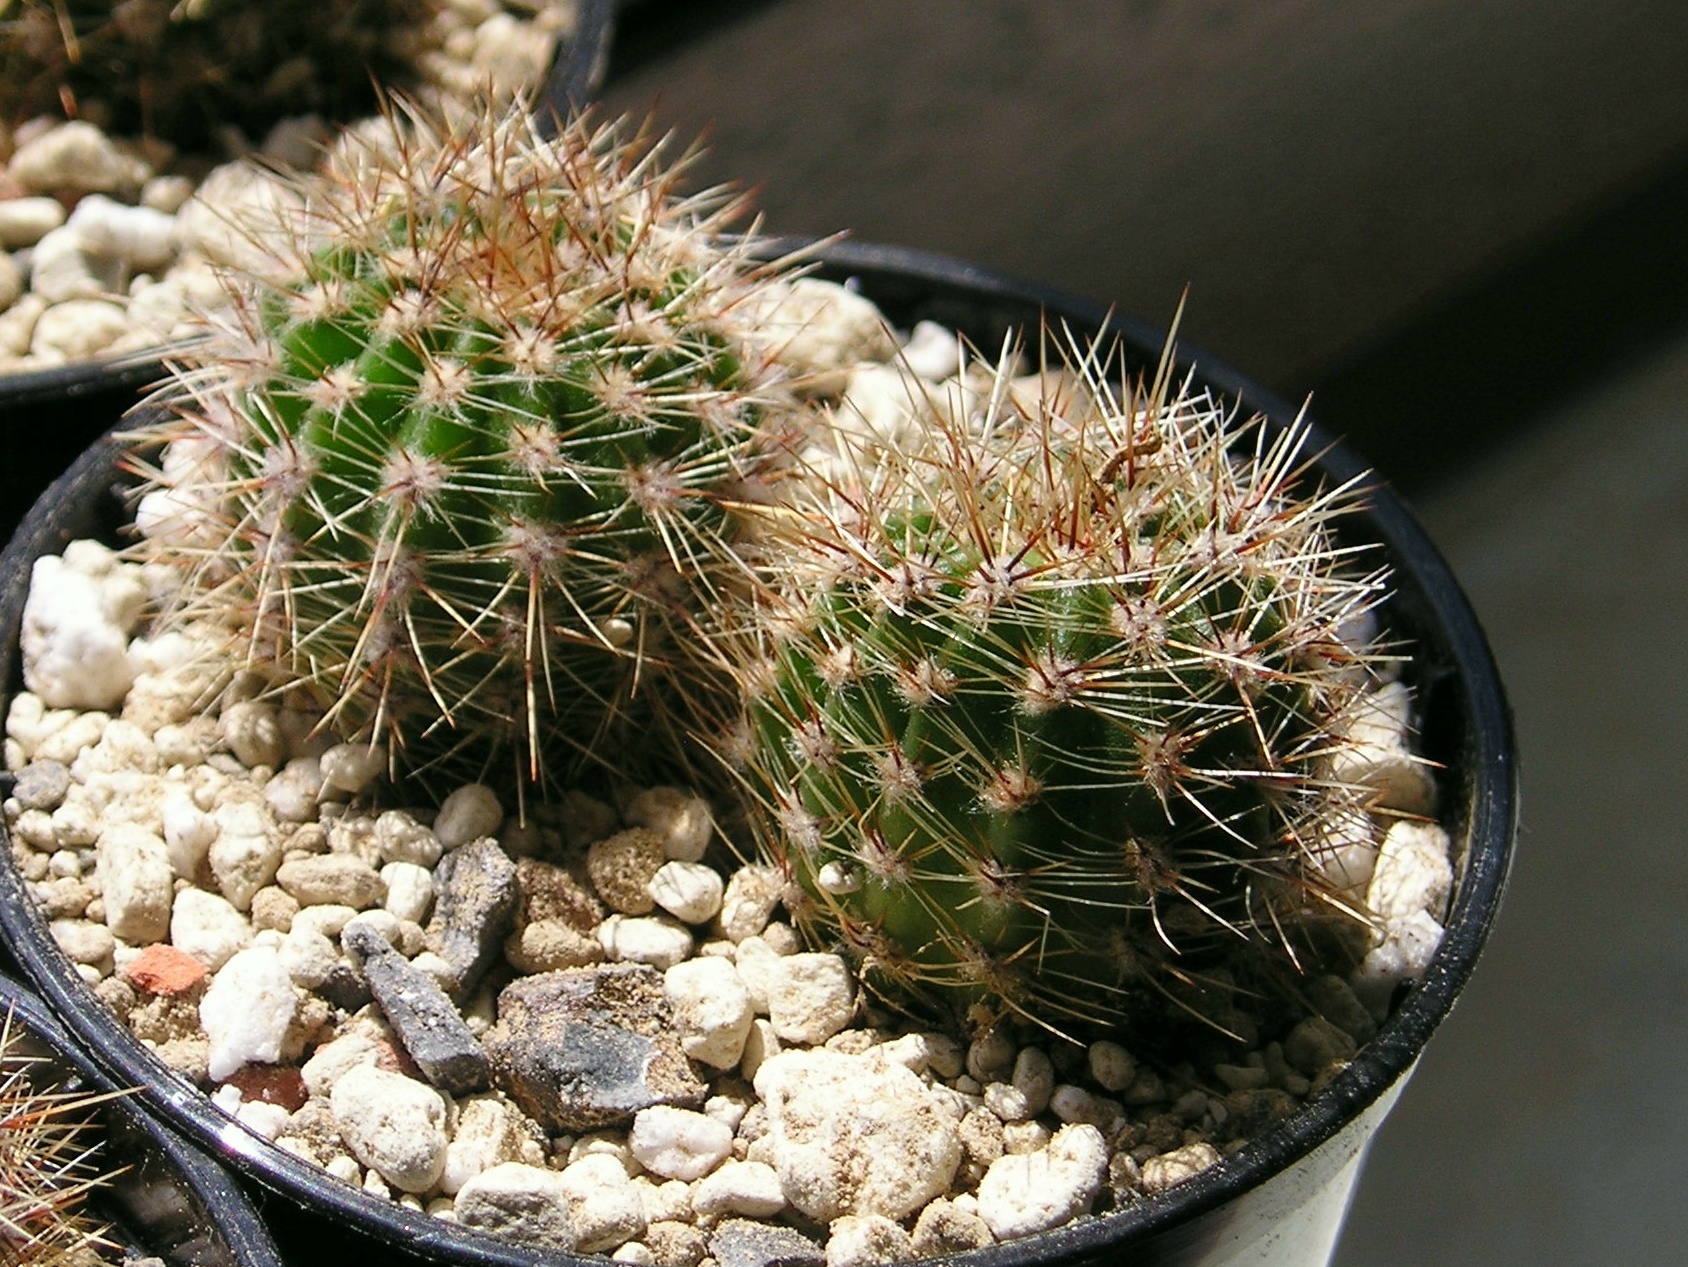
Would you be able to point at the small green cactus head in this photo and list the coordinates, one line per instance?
(465, 459)
(1039, 714)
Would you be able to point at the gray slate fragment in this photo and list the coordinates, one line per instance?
(425, 1021)
(742, 1243)
(584, 1048)
(42, 785)
(344, 987)
(475, 900)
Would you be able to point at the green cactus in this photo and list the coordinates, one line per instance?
(466, 460)
(1037, 714)
(183, 68)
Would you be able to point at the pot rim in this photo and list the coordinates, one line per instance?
(1487, 834)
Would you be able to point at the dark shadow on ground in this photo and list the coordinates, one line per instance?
(1431, 396)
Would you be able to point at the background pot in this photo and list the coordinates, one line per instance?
(49, 416)
(1278, 1200)
(171, 1201)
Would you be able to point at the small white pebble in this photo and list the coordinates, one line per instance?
(933, 352)
(689, 891)
(679, 1143)
(654, 940)
(394, 1125)
(246, 1011)
(469, 813)
(400, 838)
(711, 1010)
(1111, 1065)
(1033, 1078)
(747, 1188)
(25, 221)
(351, 767)
(1023, 1193)
(1412, 872)
(143, 238)
(811, 996)
(293, 792)
(1073, 1104)
(749, 902)
(253, 733)
(990, 1057)
(680, 818)
(268, 1120)
(1169, 1169)
(410, 891)
(208, 927)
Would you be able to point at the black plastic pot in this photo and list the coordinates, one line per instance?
(48, 416)
(170, 1201)
(1281, 1198)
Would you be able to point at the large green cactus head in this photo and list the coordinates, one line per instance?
(466, 456)
(1040, 710)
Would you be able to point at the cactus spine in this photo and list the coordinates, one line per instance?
(1039, 711)
(466, 458)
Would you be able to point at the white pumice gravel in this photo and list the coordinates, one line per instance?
(125, 268)
(208, 875)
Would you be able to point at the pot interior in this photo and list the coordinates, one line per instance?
(1462, 719)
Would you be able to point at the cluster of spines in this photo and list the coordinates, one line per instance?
(1038, 711)
(469, 454)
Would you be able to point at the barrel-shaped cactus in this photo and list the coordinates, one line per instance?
(466, 458)
(1038, 712)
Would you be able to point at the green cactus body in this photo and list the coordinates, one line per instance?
(479, 443)
(1046, 739)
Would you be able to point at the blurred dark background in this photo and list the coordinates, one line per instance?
(1461, 226)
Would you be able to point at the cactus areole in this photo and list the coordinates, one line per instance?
(466, 456)
(1042, 717)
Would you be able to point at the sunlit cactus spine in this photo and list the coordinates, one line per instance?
(1038, 713)
(466, 459)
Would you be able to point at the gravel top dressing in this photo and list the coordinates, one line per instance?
(595, 1030)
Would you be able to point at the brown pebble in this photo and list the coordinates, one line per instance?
(271, 1084)
(395, 1059)
(550, 892)
(622, 866)
(162, 969)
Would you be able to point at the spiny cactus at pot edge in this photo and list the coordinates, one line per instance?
(48, 1146)
(181, 69)
(466, 459)
(1039, 713)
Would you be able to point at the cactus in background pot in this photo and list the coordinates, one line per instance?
(1040, 712)
(466, 460)
(46, 1165)
(183, 68)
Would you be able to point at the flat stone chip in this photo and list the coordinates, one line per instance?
(584, 1048)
